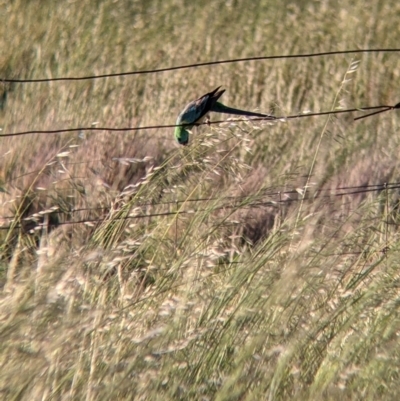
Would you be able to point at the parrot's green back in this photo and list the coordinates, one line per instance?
(193, 113)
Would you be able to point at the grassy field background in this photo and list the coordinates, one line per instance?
(229, 269)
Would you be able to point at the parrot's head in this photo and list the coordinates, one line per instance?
(182, 135)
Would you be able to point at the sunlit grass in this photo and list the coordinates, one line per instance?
(229, 269)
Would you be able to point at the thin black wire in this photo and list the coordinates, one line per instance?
(152, 127)
(204, 64)
(243, 197)
(277, 192)
(355, 190)
(396, 106)
(193, 211)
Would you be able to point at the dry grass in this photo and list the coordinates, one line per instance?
(265, 285)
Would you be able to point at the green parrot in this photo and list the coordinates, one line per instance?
(196, 111)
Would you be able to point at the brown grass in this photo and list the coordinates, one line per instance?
(229, 269)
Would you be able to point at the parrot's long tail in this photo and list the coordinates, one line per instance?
(221, 108)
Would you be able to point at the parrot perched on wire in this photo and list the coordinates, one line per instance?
(195, 112)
